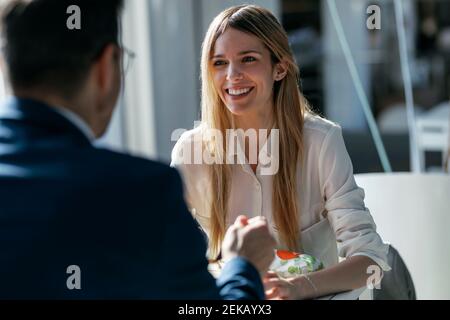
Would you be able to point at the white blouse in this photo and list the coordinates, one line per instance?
(333, 218)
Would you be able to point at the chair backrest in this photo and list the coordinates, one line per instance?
(394, 119)
(411, 212)
(433, 132)
(396, 284)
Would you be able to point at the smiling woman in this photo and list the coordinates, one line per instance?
(250, 81)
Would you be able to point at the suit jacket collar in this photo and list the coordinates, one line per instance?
(34, 113)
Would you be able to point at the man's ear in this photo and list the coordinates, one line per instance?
(106, 68)
(4, 76)
(280, 70)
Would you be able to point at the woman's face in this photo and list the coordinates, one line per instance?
(243, 73)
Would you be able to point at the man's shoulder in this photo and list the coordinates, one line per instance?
(112, 163)
(125, 181)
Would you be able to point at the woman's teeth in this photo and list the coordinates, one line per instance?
(238, 92)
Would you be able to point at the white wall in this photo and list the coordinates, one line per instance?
(211, 8)
(133, 125)
(341, 101)
(175, 60)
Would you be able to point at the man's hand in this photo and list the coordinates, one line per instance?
(251, 240)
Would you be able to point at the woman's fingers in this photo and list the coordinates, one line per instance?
(270, 274)
(257, 219)
(272, 283)
(272, 293)
(278, 293)
(267, 278)
(241, 221)
(276, 288)
(284, 293)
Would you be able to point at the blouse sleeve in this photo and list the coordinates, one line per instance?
(351, 221)
(181, 163)
(194, 177)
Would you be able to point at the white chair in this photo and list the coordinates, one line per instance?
(433, 132)
(394, 119)
(412, 212)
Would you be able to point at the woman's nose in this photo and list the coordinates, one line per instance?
(233, 72)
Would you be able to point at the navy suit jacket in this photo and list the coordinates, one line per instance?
(120, 219)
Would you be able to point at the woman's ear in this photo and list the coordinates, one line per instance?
(280, 71)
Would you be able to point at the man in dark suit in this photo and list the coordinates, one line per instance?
(78, 222)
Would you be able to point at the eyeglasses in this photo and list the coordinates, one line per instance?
(127, 59)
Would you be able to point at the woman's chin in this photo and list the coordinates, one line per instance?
(238, 110)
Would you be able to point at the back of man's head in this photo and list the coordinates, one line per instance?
(44, 48)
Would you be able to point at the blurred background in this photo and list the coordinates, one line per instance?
(162, 91)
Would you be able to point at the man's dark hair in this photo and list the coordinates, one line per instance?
(40, 50)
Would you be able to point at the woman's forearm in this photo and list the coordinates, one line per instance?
(348, 275)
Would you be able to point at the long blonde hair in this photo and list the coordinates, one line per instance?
(290, 108)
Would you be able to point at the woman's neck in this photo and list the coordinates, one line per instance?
(256, 121)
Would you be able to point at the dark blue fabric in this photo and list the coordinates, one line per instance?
(121, 219)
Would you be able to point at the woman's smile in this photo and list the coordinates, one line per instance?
(237, 93)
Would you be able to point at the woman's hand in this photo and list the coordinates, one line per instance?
(277, 288)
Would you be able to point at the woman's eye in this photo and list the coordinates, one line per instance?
(219, 63)
(249, 59)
